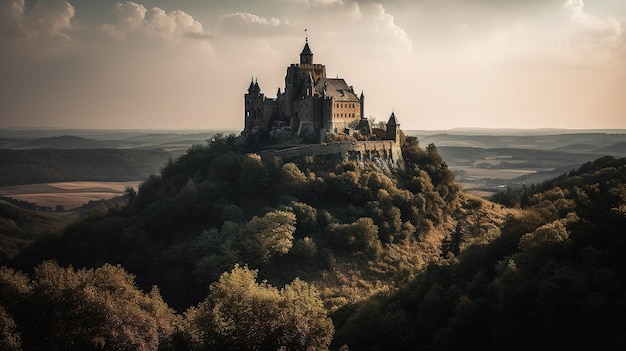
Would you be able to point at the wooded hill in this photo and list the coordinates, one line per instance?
(20, 228)
(398, 259)
(34, 166)
(553, 277)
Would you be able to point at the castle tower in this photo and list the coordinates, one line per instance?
(253, 100)
(393, 128)
(306, 56)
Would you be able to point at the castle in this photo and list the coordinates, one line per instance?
(311, 106)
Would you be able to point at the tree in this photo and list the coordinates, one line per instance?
(272, 234)
(68, 309)
(10, 338)
(241, 314)
(361, 234)
(306, 325)
(254, 178)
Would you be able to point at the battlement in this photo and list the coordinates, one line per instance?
(307, 65)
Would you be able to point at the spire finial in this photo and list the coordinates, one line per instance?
(306, 35)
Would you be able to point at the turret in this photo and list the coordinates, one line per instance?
(306, 56)
(254, 88)
(393, 128)
(257, 88)
(362, 103)
(253, 101)
(251, 87)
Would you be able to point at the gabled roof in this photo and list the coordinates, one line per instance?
(337, 88)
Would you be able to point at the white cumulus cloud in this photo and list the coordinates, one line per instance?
(134, 18)
(45, 25)
(592, 37)
(251, 25)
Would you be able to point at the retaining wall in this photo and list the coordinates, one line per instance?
(381, 151)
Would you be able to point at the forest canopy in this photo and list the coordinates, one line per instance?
(229, 250)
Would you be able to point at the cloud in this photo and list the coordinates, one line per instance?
(321, 2)
(593, 36)
(354, 26)
(50, 27)
(46, 25)
(155, 29)
(141, 62)
(384, 32)
(240, 18)
(248, 24)
(134, 18)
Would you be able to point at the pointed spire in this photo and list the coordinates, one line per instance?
(392, 119)
(251, 87)
(393, 128)
(256, 85)
(306, 56)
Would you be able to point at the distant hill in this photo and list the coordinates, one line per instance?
(178, 140)
(577, 148)
(522, 141)
(59, 165)
(513, 157)
(615, 149)
(65, 142)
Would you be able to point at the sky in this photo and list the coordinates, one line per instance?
(437, 64)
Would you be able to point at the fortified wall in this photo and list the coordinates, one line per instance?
(386, 153)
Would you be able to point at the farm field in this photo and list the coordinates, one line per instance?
(70, 195)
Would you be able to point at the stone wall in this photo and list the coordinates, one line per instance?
(383, 152)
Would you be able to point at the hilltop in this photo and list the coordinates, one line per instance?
(207, 211)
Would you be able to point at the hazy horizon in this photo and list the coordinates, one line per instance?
(159, 65)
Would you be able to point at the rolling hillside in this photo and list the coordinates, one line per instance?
(60, 165)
